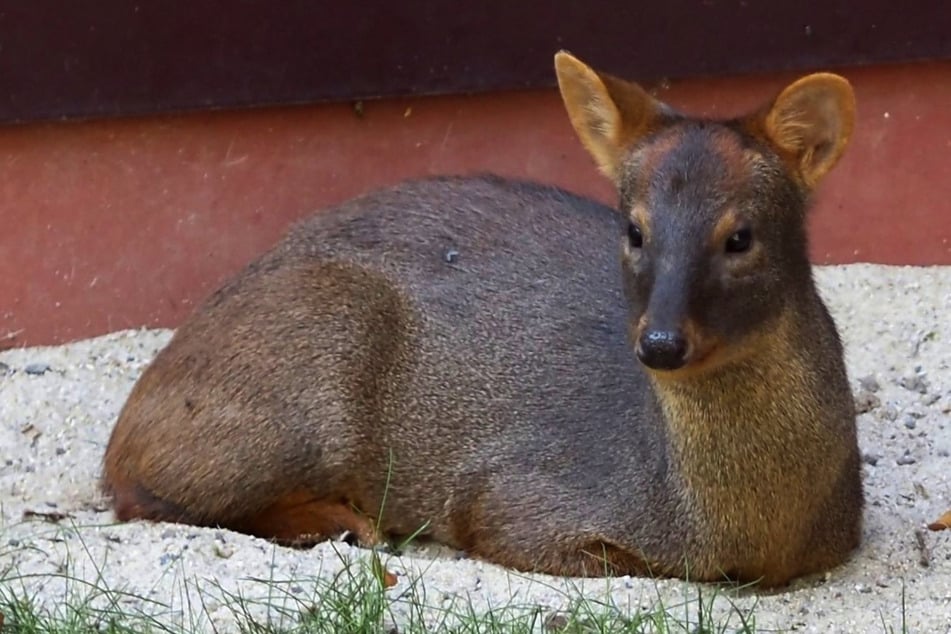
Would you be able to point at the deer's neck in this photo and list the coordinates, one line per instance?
(743, 438)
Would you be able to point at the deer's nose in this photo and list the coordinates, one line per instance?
(662, 349)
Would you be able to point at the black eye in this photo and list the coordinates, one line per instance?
(634, 237)
(739, 242)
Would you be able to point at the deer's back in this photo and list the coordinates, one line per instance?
(516, 357)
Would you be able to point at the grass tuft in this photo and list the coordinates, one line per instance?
(352, 592)
(350, 596)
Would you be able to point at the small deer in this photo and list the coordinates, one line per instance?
(542, 381)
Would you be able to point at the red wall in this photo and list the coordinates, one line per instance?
(114, 224)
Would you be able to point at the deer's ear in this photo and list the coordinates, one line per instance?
(609, 115)
(811, 122)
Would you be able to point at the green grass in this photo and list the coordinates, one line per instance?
(353, 600)
(353, 603)
(350, 597)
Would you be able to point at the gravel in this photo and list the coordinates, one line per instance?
(58, 404)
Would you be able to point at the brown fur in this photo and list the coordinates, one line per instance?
(454, 346)
(300, 519)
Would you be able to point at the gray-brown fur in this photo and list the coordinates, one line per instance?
(469, 340)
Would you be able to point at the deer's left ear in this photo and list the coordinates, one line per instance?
(811, 122)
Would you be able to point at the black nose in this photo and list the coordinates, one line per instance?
(662, 349)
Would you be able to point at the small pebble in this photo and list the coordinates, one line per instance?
(870, 459)
(930, 399)
(910, 422)
(905, 460)
(60, 451)
(556, 622)
(865, 401)
(4, 368)
(223, 550)
(943, 453)
(869, 383)
(37, 369)
(451, 256)
(864, 588)
(889, 412)
(915, 412)
(914, 383)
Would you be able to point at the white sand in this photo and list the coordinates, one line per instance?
(54, 426)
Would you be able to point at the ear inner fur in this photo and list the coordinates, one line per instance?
(610, 115)
(810, 123)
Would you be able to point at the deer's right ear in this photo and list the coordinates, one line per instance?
(609, 115)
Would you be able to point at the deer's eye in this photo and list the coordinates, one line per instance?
(634, 237)
(739, 242)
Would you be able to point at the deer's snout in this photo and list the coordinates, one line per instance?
(663, 349)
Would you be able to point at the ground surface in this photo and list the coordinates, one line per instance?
(57, 406)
